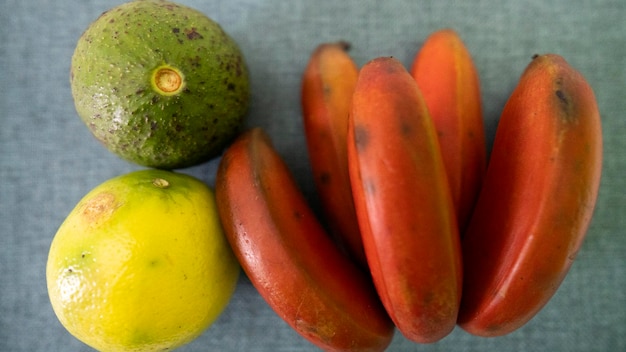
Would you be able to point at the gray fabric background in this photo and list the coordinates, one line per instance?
(48, 159)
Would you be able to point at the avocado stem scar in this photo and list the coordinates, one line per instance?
(167, 80)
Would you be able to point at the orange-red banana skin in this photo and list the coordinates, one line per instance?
(288, 256)
(537, 201)
(403, 202)
(448, 80)
(327, 86)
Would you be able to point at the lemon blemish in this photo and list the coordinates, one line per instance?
(99, 208)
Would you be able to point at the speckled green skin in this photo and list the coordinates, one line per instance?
(111, 75)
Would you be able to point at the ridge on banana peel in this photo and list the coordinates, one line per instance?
(289, 257)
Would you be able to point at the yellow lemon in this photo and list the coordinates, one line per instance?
(141, 263)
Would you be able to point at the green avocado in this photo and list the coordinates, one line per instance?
(160, 84)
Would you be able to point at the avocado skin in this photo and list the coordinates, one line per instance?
(111, 73)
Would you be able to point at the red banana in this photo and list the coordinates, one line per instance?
(289, 257)
(403, 202)
(537, 201)
(327, 86)
(448, 80)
